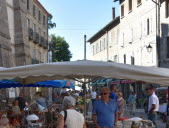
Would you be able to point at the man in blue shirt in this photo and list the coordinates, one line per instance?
(113, 92)
(105, 111)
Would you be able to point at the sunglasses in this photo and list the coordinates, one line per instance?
(103, 94)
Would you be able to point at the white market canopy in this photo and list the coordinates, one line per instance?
(87, 69)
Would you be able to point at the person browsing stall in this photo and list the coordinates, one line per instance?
(105, 110)
(153, 105)
(113, 94)
(70, 118)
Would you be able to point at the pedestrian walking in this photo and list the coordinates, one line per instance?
(120, 102)
(70, 118)
(113, 92)
(153, 105)
(105, 111)
(93, 96)
(132, 102)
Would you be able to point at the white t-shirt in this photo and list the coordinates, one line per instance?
(93, 95)
(153, 99)
(74, 119)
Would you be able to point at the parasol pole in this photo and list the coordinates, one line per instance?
(167, 117)
(84, 79)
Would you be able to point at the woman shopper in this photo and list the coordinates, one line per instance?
(120, 102)
(70, 118)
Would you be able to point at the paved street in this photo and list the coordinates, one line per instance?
(140, 112)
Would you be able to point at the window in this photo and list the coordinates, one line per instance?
(167, 43)
(124, 58)
(148, 26)
(131, 36)
(97, 48)
(28, 23)
(39, 31)
(100, 46)
(138, 2)
(34, 27)
(132, 60)
(34, 10)
(141, 30)
(27, 4)
(122, 40)
(167, 8)
(44, 35)
(44, 19)
(34, 54)
(115, 58)
(130, 5)
(93, 50)
(39, 15)
(104, 41)
(40, 56)
(122, 11)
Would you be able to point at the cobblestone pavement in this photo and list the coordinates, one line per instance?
(140, 112)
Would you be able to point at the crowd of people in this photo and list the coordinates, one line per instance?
(108, 106)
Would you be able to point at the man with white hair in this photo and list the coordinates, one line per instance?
(70, 117)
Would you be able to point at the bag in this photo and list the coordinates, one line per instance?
(65, 117)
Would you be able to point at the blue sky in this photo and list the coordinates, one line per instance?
(76, 18)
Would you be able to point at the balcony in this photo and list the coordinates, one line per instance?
(35, 61)
(45, 46)
(35, 37)
(30, 32)
(41, 41)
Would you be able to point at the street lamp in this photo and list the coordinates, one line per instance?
(149, 48)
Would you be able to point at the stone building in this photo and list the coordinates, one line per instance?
(129, 41)
(23, 34)
(164, 34)
(103, 44)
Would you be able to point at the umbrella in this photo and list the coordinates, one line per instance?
(32, 117)
(85, 69)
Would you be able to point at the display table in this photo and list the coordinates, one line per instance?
(162, 108)
(90, 124)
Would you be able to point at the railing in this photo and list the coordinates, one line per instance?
(35, 61)
(41, 41)
(30, 32)
(45, 44)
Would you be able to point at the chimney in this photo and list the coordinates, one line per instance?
(113, 13)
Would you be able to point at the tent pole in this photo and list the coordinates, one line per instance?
(167, 117)
(84, 98)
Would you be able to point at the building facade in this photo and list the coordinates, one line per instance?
(25, 30)
(23, 35)
(103, 44)
(129, 41)
(164, 33)
(137, 32)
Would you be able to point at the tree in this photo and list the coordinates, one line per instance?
(60, 49)
(50, 23)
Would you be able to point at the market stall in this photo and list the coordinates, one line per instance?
(79, 70)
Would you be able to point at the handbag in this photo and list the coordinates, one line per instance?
(65, 117)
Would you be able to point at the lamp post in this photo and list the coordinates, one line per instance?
(149, 48)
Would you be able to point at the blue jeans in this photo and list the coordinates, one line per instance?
(93, 100)
(153, 118)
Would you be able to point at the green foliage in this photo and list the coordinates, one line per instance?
(50, 23)
(60, 50)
